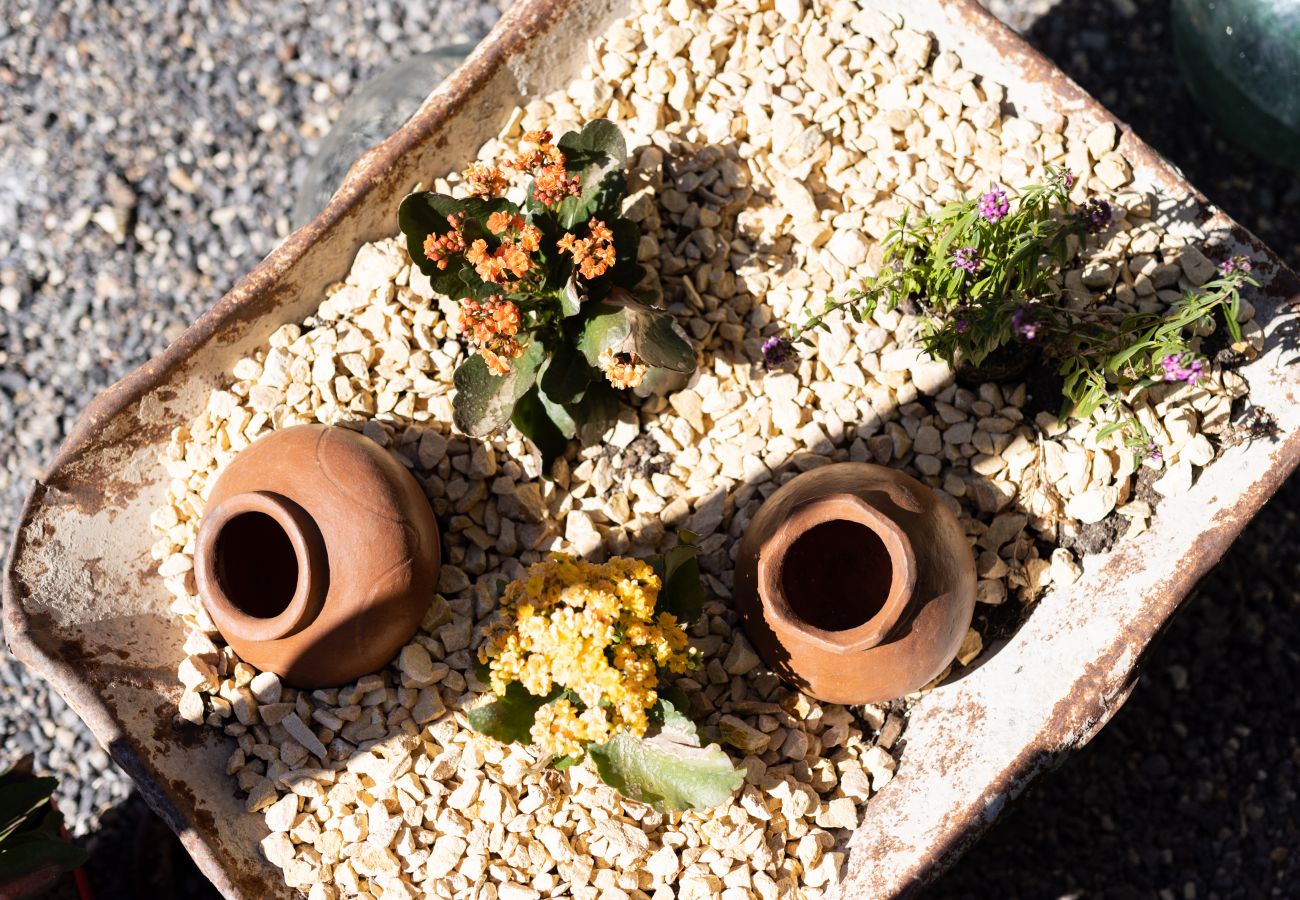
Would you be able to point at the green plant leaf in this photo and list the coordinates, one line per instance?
(668, 770)
(658, 341)
(484, 402)
(20, 800)
(420, 215)
(596, 412)
(1110, 429)
(29, 851)
(560, 763)
(603, 325)
(669, 712)
(549, 427)
(598, 155)
(566, 375)
(682, 590)
(630, 326)
(508, 718)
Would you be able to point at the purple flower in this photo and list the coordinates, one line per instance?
(1153, 452)
(776, 351)
(1025, 325)
(1176, 369)
(1096, 214)
(994, 206)
(961, 326)
(966, 258)
(1068, 179)
(1235, 264)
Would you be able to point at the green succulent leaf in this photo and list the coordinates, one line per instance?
(629, 325)
(682, 590)
(420, 215)
(604, 325)
(29, 829)
(627, 272)
(658, 340)
(546, 425)
(509, 718)
(560, 763)
(596, 412)
(484, 402)
(20, 800)
(566, 375)
(598, 155)
(32, 850)
(668, 769)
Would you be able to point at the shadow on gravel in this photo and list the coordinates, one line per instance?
(1190, 791)
(135, 856)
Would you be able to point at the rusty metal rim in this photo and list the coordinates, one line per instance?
(511, 33)
(1096, 701)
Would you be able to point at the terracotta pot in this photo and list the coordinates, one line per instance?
(317, 556)
(855, 583)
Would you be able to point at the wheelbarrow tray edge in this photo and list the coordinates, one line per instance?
(950, 786)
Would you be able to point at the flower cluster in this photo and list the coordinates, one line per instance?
(592, 632)
(543, 274)
(994, 205)
(484, 181)
(491, 326)
(968, 259)
(1020, 247)
(593, 255)
(1096, 215)
(1235, 264)
(498, 265)
(1024, 324)
(441, 248)
(1181, 367)
(546, 163)
(623, 369)
(777, 351)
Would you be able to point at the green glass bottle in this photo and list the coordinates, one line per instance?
(1241, 61)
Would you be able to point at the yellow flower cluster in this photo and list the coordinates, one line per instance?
(591, 629)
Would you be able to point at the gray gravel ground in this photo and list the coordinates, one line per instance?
(147, 153)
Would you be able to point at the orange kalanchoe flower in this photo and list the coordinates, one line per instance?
(501, 222)
(529, 236)
(594, 255)
(496, 266)
(551, 184)
(491, 326)
(543, 153)
(440, 249)
(545, 162)
(485, 181)
(624, 370)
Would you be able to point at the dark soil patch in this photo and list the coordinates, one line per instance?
(644, 455)
(1043, 385)
(1097, 537)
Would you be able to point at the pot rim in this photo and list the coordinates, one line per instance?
(309, 551)
(846, 507)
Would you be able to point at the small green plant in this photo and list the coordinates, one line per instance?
(576, 662)
(985, 272)
(32, 851)
(545, 283)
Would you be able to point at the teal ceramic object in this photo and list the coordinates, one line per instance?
(1241, 61)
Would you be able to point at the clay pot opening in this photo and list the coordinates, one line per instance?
(261, 566)
(256, 565)
(838, 572)
(837, 575)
